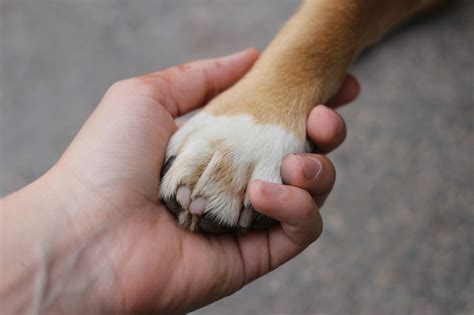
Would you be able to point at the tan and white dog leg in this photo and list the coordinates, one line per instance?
(244, 133)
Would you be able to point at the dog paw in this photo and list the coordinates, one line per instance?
(210, 161)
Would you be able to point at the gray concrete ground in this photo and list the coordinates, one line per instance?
(399, 227)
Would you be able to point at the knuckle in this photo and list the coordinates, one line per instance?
(119, 86)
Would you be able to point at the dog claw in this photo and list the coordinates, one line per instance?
(183, 196)
(193, 226)
(185, 218)
(197, 206)
(246, 217)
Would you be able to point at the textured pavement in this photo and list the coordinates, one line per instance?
(399, 226)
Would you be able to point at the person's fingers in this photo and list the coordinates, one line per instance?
(301, 222)
(326, 129)
(183, 88)
(347, 93)
(312, 172)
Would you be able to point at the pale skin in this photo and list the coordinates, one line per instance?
(90, 236)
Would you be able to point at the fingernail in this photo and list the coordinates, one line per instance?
(273, 190)
(311, 168)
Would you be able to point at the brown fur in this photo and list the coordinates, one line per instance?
(306, 62)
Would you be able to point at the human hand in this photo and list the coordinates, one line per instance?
(111, 246)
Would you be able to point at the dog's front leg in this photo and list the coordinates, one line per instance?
(244, 133)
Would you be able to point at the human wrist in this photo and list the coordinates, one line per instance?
(44, 253)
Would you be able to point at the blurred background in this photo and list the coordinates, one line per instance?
(399, 226)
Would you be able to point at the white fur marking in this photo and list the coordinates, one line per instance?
(250, 146)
